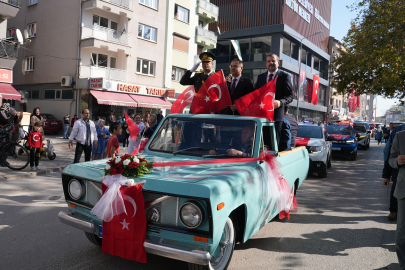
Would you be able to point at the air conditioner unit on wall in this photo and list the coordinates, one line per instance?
(66, 81)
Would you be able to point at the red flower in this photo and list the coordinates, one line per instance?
(133, 165)
(111, 162)
(125, 156)
(119, 165)
(142, 160)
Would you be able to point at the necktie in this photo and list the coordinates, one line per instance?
(233, 86)
(270, 77)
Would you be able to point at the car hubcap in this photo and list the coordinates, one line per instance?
(222, 248)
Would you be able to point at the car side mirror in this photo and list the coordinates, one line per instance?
(330, 139)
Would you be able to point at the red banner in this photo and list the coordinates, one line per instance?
(352, 105)
(186, 98)
(213, 95)
(132, 127)
(309, 90)
(315, 89)
(358, 102)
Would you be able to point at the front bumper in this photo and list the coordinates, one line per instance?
(363, 141)
(194, 256)
(345, 150)
(316, 166)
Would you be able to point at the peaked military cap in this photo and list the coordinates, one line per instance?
(207, 56)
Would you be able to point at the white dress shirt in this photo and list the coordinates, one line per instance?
(80, 131)
(268, 74)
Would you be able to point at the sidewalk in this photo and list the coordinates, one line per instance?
(64, 157)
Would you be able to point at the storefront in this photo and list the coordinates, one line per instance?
(7, 92)
(103, 96)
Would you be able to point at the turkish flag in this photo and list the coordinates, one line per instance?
(309, 90)
(352, 105)
(259, 103)
(125, 234)
(183, 100)
(315, 90)
(132, 127)
(213, 95)
(358, 102)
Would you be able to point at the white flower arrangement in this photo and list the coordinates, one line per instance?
(126, 162)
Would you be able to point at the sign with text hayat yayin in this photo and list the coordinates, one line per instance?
(302, 11)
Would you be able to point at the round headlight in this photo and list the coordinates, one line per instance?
(75, 189)
(190, 215)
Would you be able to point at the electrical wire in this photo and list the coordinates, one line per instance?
(49, 55)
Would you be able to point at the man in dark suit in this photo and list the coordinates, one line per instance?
(283, 89)
(238, 86)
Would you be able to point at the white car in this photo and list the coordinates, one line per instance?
(315, 138)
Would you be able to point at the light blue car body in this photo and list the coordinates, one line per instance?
(242, 187)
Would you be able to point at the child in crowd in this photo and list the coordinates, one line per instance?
(35, 143)
(113, 145)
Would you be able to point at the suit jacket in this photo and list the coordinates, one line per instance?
(244, 87)
(398, 148)
(197, 80)
(283, 91)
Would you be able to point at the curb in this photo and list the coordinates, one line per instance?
(31, 174)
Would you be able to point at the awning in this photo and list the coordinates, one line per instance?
(116, 99)
(9, 92)
(152, 102)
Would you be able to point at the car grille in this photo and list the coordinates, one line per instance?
(93, 192)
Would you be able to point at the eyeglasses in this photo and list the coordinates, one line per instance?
(235, 66)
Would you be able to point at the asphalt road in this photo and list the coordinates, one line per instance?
(341, 224)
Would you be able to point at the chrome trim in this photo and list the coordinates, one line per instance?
(73, 221)
(194, 256)
(177, 212)
(95, 187)
(158, 200)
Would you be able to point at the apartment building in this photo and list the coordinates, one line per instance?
(8, 51)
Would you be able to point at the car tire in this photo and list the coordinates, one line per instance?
(354, 157)
(228, 237)
(94, 239)
(368, 145)
(329, 161)
(324, 171)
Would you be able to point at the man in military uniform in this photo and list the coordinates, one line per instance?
(198, 79)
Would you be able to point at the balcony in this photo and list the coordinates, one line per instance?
(8, 55)
(206, 38)
(16, 3)
(208, 11)
(118, 7)
(101, 37)
(103, 72)
(9, 9)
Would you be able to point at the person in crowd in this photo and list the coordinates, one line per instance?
(124, 134)
(133, 117)
(285, 137)
(36, 117)
(293, 124)
(85, 133)
(72, 122)
(160, 116)
(35, 143)
(238, 86)
(97, 118)
(103, 134)
(111, 117)
(113, 144)
(9, 116)
(119, 120)
(132, 145)
(66, 123)
(379, 135)
(397, 161)
(150, 126)
(245, 149)
(283, 94)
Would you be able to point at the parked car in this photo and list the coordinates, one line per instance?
(319, 146)
(362, 134)
(208, 242)
(345, 141)
(52, 124)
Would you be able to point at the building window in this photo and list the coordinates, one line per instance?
(200, 24)
(99, 60)
(181, 13)
(145, 67)
(58, 94)
(260, 47)
(67, 94)
(113, 62)
(177, 73)
(10, 33)
(31, 94)
(180, 43)
(32, 30)
(49, 94)
(33, 2)
(29, 63)
(97, 20)
(10, 101)
(147, 32)
(150, 3)
(290, 51)
(114, 26)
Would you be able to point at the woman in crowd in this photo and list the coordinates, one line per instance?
(132, 145)
(379, 135)
(151, 126)
(36, 117)
(124, 134)
(103, 135)
(9, 116)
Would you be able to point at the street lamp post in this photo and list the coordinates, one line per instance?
(299, 69)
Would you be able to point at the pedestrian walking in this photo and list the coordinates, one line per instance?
(66, 123)
(85, 133)
(132, 145)
(124, 133)
(35, 143)
(113, 144)
(111, 118)
(397, 161)
(72, 122)
(379, 135)
(103, 134)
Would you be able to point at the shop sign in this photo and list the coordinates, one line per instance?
(96, 83)
(6, 76)
(171, 93)
(132, 88)
(302, 11)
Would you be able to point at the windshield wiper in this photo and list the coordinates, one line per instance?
(220, 156)
(192, 148)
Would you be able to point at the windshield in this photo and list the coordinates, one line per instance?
(367, 125)
(200, 137)
(48, 116)
(361, 129)
(342, 130)
(309, 132)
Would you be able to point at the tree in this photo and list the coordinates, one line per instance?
(375, 51)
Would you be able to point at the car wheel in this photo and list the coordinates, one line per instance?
(222, 255)
(94, 239)
(329, 162)
(324, 172)
(368, 145)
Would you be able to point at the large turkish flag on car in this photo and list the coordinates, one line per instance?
(213, 95)
(133, 129)
(183, 100)
(315, 90)
(125, 234)
(259, 103)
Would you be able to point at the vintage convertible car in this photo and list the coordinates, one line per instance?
(195, 213)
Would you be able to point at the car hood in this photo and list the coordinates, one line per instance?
(339, 137)
(301, 141)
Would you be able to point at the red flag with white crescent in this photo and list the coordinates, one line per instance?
(213, 95)
(132, 127)
(352, 103)
(186, 98)
(315, 89)
(259, 103)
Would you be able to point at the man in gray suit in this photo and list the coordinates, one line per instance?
(397, 161)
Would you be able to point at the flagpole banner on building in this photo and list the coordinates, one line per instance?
(303, 82)
(236, 46)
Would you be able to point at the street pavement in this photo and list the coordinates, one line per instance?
(340, 224)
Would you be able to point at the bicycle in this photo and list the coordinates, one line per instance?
(12, 155)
